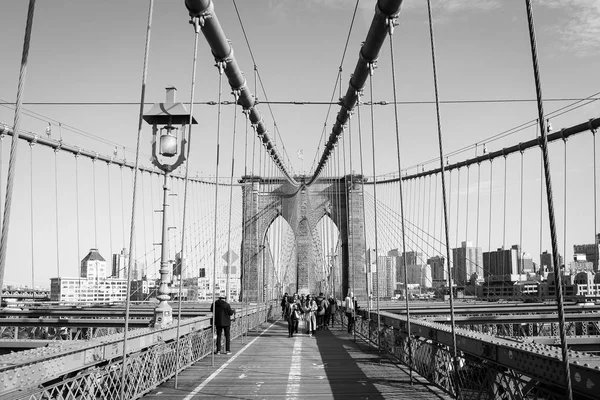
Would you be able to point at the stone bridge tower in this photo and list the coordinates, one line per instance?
(303, 207)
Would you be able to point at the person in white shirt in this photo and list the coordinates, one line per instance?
(349, 307)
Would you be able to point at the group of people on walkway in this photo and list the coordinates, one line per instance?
(315, 312)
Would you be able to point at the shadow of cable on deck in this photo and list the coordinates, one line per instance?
(354, 370)
(344, 364)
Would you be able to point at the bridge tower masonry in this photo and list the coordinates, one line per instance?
(303, 207)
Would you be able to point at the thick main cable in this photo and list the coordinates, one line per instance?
(12, 163)
(550, 201)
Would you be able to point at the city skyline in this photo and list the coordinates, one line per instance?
(481, 73)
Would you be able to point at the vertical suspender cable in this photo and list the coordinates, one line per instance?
(15, 144)
(350, 188)
(32, 217)
(196, 24)
(347, 216)
(362, 173)
(220, 66)
(243, 259)
(154, 258)
(94, 203)
(595, 203)
(550, 201)
(123, 210)
(490, 230)
(110, 232)
(541, 197)
(371, 69)
(77, 215)
(400, 191)
(144, 229)
(479, 267)
(467, 205)
(565, 202)
(504, 217)
(445, 206)
(236, 95)
(56, 212)
(1, 158)
(521, 215)
(133, 202)
(457, 208)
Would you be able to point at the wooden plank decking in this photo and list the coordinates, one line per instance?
(269, 365)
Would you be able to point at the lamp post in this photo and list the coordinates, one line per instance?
(168, 153)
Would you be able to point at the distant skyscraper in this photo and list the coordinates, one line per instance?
(413, 259)
(119, 265)
(177, 265)
(387, 278)
(507, 262)
(438, 271)
(547, 263)
(502, 262)
(467, 260)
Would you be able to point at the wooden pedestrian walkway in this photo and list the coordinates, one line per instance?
(269, 365)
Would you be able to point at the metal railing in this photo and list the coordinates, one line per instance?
(93, 369)
(489, 367)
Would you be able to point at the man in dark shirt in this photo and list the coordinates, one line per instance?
(223, 313)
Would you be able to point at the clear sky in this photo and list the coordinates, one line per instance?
(89, 51)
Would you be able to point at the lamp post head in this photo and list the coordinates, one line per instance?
(168, 117)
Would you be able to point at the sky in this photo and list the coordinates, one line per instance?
(92, 52)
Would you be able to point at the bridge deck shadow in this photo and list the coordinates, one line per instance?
(271, 365)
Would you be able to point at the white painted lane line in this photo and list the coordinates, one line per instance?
(218, 371)
(293, 387)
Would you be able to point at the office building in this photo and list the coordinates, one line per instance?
(591, 251)
(119, 265)
(466, 262)
(438, 271)
(91, 286)
(547, 263)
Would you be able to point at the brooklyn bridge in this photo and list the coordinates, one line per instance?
(439, 205)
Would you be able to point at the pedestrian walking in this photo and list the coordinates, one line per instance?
(283, 304)
(223, 313)
(349, 303)
(292, 315)
(309, 311)
(330, 312)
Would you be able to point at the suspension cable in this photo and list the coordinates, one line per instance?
(550, 201)
(154, 257)
(12, 163)
(31, 144)
(391, 22)
(521, 216)
(371, 69)
(362, 173)
(565, 200)
(94, 203)
(110, 230)
(235, 93)
(56, 211)
(595, 201)
(504, 211)
(195, 21)
(478, 206)
(135, 177)
(490, 230)
(220, 66)
(445, 206)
